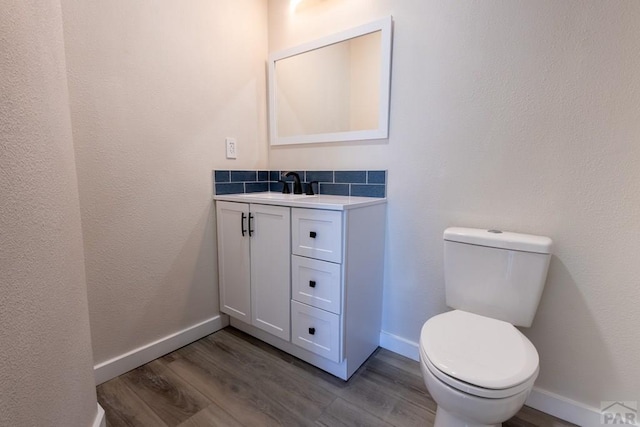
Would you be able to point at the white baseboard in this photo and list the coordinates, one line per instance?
(100, 420)
(542, 400)
(563, 408)
(399, 345)
(118, 365)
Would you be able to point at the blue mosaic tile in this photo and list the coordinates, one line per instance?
(274, 176)
(222, 176)
(263, 175)
(334, 189)
(242, 176)
(256, 187)
(367, 190)
(376, 177)
(320, 176)
(359, 177)
(230, 188)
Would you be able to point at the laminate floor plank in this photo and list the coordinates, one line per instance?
(304, 399)
(277, 376)
(385, 405)
(123, 408)
(292, 360)
(245, 402)
(171, 398)
(409, 366)
(233, 379)
(293, 364)
(322, 383)
(344, 414)
(211, 416)
(399, 382)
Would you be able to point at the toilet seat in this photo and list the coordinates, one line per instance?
(478, 355)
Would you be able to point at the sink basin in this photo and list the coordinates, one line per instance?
(273, 196)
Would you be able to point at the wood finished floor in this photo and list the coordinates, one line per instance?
(232, 379)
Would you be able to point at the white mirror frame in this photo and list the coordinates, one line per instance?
(382, 131)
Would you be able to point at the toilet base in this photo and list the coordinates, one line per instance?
(446, 419)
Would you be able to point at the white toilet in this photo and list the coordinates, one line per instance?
(477, 366)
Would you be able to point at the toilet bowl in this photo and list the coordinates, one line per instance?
(478, 370)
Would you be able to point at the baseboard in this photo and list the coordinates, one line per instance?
(542, 400)
(563, 408)
(399, 345)
(100, 420)
(118, 365)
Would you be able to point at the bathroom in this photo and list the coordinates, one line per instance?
(518, 115)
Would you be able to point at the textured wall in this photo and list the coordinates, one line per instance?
(155, 86)
(521, 115)
(46, 376)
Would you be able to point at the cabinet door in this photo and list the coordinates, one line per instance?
(270, 269)
(233, 259)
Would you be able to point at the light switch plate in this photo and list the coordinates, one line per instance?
(230, 144)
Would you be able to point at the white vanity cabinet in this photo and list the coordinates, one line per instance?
(309, 278)
(253, 264)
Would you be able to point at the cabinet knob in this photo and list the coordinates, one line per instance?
(312, 283)
(312, 234)
(312, 331)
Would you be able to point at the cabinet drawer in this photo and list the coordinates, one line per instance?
(317, 234)
(316, 330)
(316, 283)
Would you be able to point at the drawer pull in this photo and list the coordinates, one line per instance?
(312, 234)
(312, 283)
(312, 331)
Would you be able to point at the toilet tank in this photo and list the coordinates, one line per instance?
(495, 274)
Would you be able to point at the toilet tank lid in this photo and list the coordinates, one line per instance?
(499, 239)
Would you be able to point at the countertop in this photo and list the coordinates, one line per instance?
(328, 202)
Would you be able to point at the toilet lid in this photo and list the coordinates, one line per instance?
(478, 350)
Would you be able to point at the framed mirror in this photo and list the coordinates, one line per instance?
(332, 89)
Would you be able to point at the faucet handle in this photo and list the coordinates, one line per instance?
(309, 191)
(285, 187)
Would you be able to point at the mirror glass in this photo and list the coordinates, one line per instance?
(334, 89)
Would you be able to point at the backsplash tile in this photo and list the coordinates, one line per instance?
(351, 176)
(256, 187)
(368, 190)
(320, 176)
(334, 189)
(274, 176)
(359, 183)
(244, 176)
(229, 188)
(376, 177)
(222, 176)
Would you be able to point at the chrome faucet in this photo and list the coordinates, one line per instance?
(297, 185)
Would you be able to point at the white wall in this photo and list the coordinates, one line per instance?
(155, 87)
(46, 376)
(520, 115)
